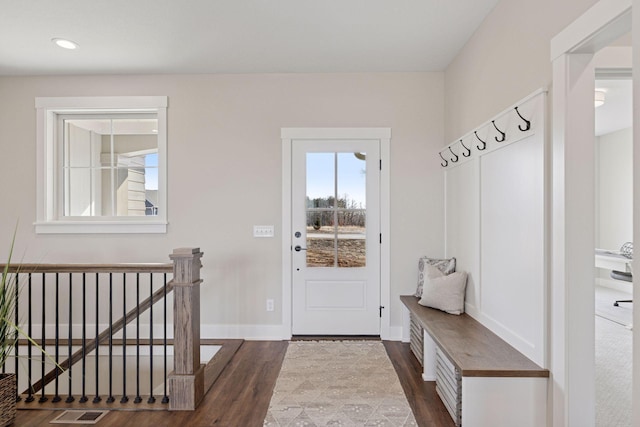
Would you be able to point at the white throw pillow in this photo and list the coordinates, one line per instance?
(445, 293)
(432, 271)
(446, 266)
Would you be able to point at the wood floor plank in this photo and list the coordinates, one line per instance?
(216, 365)
(240, 396)
(426, 405)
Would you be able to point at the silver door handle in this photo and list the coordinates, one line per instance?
(299, 248)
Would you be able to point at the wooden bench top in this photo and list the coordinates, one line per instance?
(471, 347)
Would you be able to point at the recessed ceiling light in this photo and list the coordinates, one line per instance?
(65, 44)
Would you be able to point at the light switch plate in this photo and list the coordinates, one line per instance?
(263, 231)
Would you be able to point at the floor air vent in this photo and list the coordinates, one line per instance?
(79, 417)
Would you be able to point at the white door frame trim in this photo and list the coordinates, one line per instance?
(384, 136)
(572, 388)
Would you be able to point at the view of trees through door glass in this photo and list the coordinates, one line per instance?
(110, 166)
(336, 209)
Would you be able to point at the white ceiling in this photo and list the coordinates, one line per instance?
(234, 36)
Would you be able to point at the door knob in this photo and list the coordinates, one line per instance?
(299, 248)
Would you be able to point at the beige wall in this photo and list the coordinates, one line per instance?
(507, 58)
(614, 189)
(224, 173)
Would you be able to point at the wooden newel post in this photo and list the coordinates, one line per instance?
(186, 382)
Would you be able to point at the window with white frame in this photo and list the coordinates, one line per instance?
(102, 164)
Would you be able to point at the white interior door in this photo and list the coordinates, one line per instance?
(336, 237)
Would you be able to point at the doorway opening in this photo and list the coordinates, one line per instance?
(573, 53)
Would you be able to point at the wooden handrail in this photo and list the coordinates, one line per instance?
(185, 384)
(90, 268)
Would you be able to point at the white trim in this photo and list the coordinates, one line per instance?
(104, 227)
(572, 221)
(247, 332)
(335, 133)
(387, 332)
(82, 103)
(264, 332)
(384, 136)
(573, 243)
(635, 392)
(606, 21)
(287, 262)
(395, 334)
(48, 220)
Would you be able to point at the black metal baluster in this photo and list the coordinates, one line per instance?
(4, 303)
(43, 397)
(138, 399)
(70, 397)
(84, 397)
(29, 398)
(124, 398)
(151, 398)
(16, 319)
(97, 397)
(56, 397)
(110, 399)
(165, 398)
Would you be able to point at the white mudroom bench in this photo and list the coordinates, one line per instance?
(482, 380)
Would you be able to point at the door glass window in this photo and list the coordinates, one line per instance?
(336, 209)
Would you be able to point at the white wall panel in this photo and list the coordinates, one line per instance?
(495, 223)
(463, 226)
(512, 247)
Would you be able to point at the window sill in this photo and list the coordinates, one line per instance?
(100, 227)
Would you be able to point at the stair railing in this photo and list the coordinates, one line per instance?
(57, 313)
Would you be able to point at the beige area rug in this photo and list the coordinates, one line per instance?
(338, 383)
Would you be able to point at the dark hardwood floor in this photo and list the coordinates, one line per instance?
(240, 397)
(427, 407)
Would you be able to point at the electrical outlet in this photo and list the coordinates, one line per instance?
(263, 231)
(270, 306)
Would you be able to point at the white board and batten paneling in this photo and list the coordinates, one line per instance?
(462, 193)
(495, 223)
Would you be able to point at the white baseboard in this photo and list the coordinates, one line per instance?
(267, 332)
(210, 331)
(395, 334)
(247, 332)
